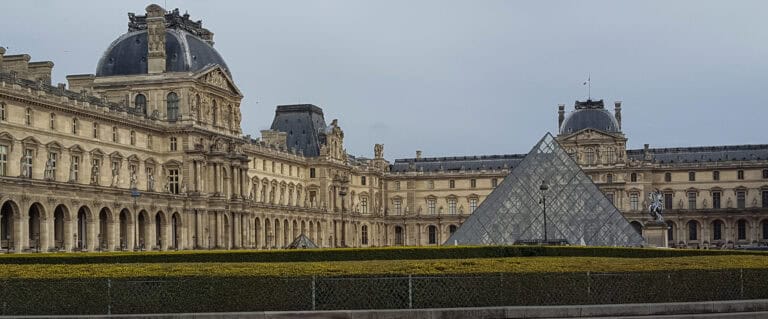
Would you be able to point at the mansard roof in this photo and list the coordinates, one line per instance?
(702, 154)
(304, 125)
(457, 163)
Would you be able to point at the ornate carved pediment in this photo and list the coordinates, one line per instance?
(218, 78)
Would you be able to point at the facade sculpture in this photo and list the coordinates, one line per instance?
(656, 207)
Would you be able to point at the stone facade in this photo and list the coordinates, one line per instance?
(149, 154)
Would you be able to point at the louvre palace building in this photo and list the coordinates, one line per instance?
(148, 154)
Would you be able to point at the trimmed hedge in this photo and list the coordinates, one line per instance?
(356, 254)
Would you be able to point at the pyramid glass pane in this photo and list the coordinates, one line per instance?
(576, 210)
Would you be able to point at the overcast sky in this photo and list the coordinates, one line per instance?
(457, 77)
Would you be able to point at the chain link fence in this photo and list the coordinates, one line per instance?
(211, 294)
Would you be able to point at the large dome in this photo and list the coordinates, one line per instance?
(590, 114)
(184, 53)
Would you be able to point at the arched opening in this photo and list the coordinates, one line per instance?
(693, 230)
(159, 227)
(7, 214)
(295, 230)
(124, 218)
(452, 229)
(256, 233)
(268, 234)
(175, 230)
(286, 233)
(104, 221)
(432, 234)
(81, 238)
(671, 232)
(198, 108)
(303, 227)
(765, 229)
(399, 236)
(59, 230)
(35, 212)
(717, 230)
(143, 229)
(319, 235)
(311, 233)
(140, 103)
(364, 235)
(277, 235)
(226, 232)
(637, 226)
(741, 230)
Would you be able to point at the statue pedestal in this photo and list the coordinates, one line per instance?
(655, 234)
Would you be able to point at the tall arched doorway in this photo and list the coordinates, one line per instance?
(124, 230)
(8, 213)
(60, 232)
(143, 229)
(226, 238)
(159, 227)
(34, 231)
(81, 239)
(399, 236)
(104, 233)
(176, 230)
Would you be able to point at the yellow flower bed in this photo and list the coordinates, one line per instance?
(380, 267)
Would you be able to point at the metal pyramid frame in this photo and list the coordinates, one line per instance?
(302, 242)
(577, 212)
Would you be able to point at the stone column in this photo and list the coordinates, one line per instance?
(46, 233)
(67, 231)
(129, 230)
(92, 239)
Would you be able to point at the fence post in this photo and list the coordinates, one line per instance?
(109, 296)
(741, 283)
(589, 287)
(314, 292)
(410, 291)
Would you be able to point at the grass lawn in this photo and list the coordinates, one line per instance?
(379, 267)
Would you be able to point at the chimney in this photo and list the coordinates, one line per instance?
(617, 112)
(18, 63)
(560, 115)
(418, 154)
(40, 71)
(79, 82)
(155, 39)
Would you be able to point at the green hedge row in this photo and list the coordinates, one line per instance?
(356, 254)
(157, 295)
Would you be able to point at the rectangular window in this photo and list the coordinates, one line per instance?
(398, 206)
(717, 231)
(27, 171)
(282, 169)
(473, 183)
(494, 182)
(311, 171)
(114, 134)
(3, 160)
(53, 122)
(52, 157)
(740, 174)
(741, 199)
(28, 117)
(74, 126)
(2, 111)
(691, 176)
(765, 173)
(397, 185)
(290, 170)
(742, 230)
(273, 166)
(452, 184)
(431, 184)
(610, 197)
(75, 175)
(95, 130)
(362, 180)
(715, 199)
(364, 205)
(765, 199)
(667, 177)
(452, 206)
(668, 200)
(174, 147)
(173, 181)
(431, 206)
(472, 205)
(149, 142)
(634, 201)
(691, 200)
(716, 175)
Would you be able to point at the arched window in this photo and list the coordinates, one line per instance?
(589, 156)
(364, 234)
(140, 103)
(172, 106)
(717, 230)
(199, 107)
(633, 177)
(610, 155)
(693, 230)
(609, 178)
(432, 232)
(667, 177)
(452, 229)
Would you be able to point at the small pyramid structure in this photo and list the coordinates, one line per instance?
(577, 212)
(302, 242)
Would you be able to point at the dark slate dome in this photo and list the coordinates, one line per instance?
(184, 52)
(590, 114)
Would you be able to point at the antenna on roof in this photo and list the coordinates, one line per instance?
(588, 83)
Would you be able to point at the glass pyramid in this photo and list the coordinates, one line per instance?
(577, 212)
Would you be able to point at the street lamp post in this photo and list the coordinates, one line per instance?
(543, 188)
